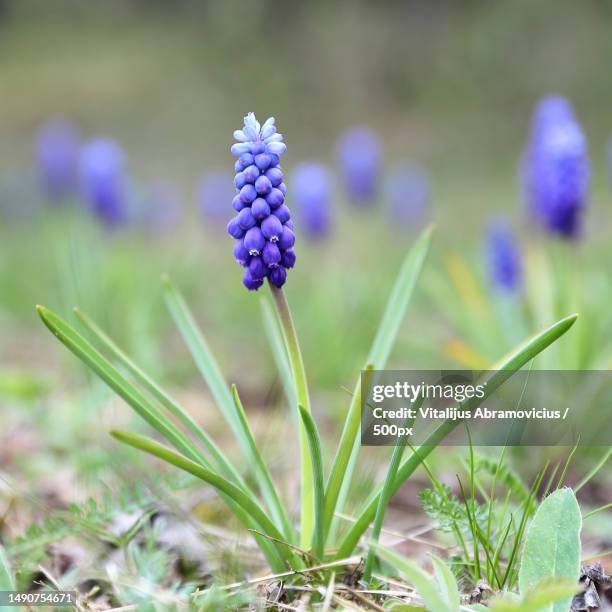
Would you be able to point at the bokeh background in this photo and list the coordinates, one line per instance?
(450, 86)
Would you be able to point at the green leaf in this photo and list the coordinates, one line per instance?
(204, 360)
(552, 546)
(247, 503)
(379, 353)
(314, 444)
(143, 407)
(118, 383)
(221, 461)
(447, 582)
(420, 580)
(513, 362)
(211, 372)
(268, 489)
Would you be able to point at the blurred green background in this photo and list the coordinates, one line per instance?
(450, 85)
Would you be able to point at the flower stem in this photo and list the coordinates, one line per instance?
(301, 388)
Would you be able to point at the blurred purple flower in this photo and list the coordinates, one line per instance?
(57, 150)
(214, 191)
(311, 182)
(549, 111)
(359, 155)
(262, 228)
(408, 194)
(504, 257)
(555, 169)
(103, 180)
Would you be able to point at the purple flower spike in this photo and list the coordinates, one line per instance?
(311, 183)
(57, 151)
(263, 226)
(503, 257)
(555, 169)
(103, 180)
(359, 162)
(408, 195)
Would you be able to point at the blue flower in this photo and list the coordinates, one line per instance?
(263, 228)
(504, 257)
(408, 194)
(103, 180)
(311, 183)
(555, 169)
(57, 150)
(359, 161)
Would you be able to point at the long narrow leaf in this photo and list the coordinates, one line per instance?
(379, 353)
(314, 443)
(221, 461)
(211, 372)
(116, 381)
(126, 390)
(248, 504)
(273, 501)
(204, 359)
(513, 362)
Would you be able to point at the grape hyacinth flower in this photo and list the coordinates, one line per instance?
(311, 183)
(359, 161)
(263, 228)
(214, 190)
(555, 169)
(504, 257)
(103, 180)
(57, 151)
(408, 194)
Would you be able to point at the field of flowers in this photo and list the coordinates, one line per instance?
(222, 245)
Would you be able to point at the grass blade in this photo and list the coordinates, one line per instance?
(271, 497)
(247, 503)
(220, 460)
(593, 471)
(314, 443)
(116, 381)
(379, 353)
(211, 372)
(513, 362)
(204, 360)
(126, 390)
(383, 501)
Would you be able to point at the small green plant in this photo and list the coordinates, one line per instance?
(255, 500)
(552, 546)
